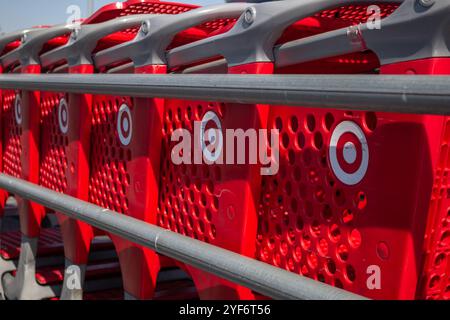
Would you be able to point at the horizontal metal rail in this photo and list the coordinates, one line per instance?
(258, 276)
(402, 94)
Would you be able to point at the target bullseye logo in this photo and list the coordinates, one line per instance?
(124, 125)
(349, 153)
(63, 116)
(18, 109)
(213, 135)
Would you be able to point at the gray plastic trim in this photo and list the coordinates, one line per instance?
(412, 32)
(150, 45)
(28, 52)
(24, 286)
(13, 36)
(83, 40)
(253, 36)
(20, 35)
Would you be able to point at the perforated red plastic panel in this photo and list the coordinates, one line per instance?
(356, 14)
(189, 203)
(12, 148)
(131, 8)
(211, 203)
(109, 179)
(435, 283)
(53, 145)
(314, 224)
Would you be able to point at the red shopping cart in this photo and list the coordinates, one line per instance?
(7, 43)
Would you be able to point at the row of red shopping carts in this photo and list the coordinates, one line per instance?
(358, 200)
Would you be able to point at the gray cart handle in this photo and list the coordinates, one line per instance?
(414, 31)
(253, 36)
(15, 36)
(83, 40)
(28, 52)
(150, 45)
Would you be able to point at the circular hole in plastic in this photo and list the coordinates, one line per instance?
(331, 267)
(445, 239)
(350, 273)
(335, 233)
(438, 261)
(306, 242)
(342, 252)
(312, 260)
(285, 140)
(354, 238)
(301, 140)
(318, 140)
(383, 250)
(310, 123)
(294, 124)
(322, 247)
(278, 124)
(361, 200)
(328, 121)
(434, 281)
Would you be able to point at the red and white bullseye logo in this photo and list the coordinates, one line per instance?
(349, 153)
(124, 125)
(63, 116)
(18, 109)
(211, 130)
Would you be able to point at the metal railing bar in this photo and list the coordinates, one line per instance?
(258, 276)
(400, 94)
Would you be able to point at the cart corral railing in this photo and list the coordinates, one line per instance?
(400, 94)
(404, 94)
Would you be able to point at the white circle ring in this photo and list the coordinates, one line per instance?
(124, 125)
(212, 136)
(18, 109)
(345, 177)
(63, 116)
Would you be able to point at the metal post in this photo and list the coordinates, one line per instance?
(90, 7)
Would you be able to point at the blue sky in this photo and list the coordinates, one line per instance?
(19, 14)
